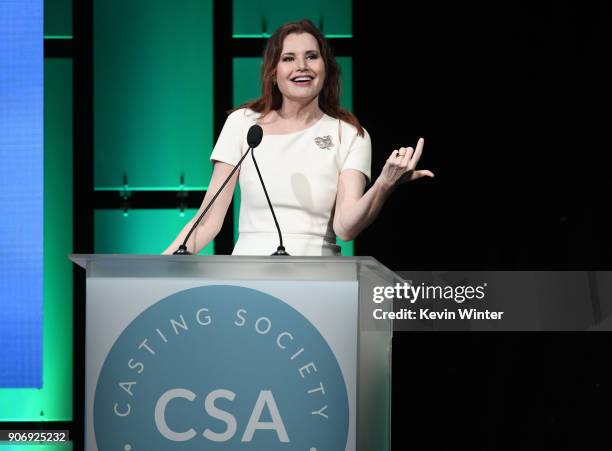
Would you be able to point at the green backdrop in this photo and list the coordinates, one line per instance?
(58, 19)
(259, 18)
(140, 231)
(153, 94)
(10, 446)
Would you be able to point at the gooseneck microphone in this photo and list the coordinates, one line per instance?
(280, 250)
(254, 137)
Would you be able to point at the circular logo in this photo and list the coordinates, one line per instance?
(220, 368)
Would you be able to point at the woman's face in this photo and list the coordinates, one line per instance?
(300, 72)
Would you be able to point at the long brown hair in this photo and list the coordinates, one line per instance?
(329, 97)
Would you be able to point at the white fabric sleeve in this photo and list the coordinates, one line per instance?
(228, 148)
(359, 155)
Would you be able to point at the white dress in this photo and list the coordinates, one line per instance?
(301, 173)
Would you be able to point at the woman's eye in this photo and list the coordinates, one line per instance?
(290, 58)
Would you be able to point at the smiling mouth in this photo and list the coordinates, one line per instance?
(300, 81)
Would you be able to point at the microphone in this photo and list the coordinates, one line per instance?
(280, 250)
(254, 137)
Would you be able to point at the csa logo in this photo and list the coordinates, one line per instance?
(221, 368)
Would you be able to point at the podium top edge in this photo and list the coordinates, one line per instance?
(243, 264)
(83, 259)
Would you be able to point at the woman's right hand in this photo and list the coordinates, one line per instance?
(212, 222)
(400, 167)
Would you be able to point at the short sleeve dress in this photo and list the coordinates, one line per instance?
(301, 173)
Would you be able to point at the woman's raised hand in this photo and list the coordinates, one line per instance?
(401, 166)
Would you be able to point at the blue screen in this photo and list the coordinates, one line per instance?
(21, 193)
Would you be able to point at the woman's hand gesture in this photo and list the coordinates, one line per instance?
(401, 166)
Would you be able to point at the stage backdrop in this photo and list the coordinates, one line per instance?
(35, 295)
(21, 193)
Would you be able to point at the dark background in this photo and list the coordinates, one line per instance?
(511, 99)
(501, 391)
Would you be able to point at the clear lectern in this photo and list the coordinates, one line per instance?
(236, 352)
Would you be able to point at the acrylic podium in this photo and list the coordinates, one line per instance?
(236, 353)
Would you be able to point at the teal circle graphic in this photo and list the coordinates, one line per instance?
(221, 368)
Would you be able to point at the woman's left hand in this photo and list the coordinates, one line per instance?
(401, 166)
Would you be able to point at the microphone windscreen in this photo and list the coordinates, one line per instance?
(254, 136)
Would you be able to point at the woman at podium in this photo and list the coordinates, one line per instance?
(314, 158)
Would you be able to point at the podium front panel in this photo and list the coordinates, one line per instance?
(114, 306)
(179, 357)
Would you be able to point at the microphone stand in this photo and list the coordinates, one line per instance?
(182, 250)
(280, 250)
